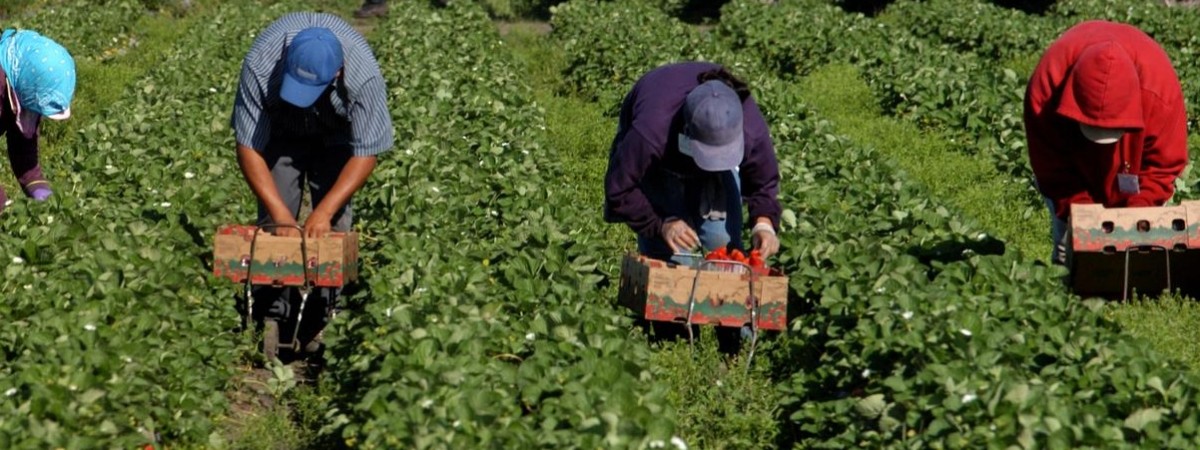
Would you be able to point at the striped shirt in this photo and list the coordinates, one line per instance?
(354, 112)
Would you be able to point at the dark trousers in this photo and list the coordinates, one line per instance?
(295, 164)
(23, 159)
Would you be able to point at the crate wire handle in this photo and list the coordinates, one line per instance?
(751, 301)
(1129, 250)
(304, 289)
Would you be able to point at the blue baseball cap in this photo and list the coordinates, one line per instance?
(313, 60)
(712, 134)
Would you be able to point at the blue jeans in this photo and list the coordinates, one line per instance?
(1058, 234)
(711, 204)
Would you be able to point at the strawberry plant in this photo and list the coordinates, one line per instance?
(598, 38)
(483, 326)
(114, 333)
(924, 333)
(485, 317)
(87, 30)
(978, 27)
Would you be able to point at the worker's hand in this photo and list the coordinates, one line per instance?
(285, 229)
(679, 236)
(764, 240)
(318, 224)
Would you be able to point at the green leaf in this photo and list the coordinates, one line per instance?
(870, 406)
(1143, 417)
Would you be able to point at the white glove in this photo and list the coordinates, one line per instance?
(764, 240)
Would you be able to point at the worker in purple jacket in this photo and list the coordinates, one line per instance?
(37, 79)
(691, 147)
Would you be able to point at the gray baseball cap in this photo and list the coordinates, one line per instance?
(712, 133)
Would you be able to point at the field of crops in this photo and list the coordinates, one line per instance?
(486, 316)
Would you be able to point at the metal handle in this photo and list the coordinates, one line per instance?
(751, 302)
(1129, 250)
(308, 283)
(304, 290)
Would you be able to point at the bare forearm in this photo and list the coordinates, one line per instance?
(353, 176)
(258, 176)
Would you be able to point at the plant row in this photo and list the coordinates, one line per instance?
(115, 333)
(89, 30)
(482, 325)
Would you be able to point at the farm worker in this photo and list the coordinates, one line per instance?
(1105, 123)
(311, 109)
(38, 78)
(691, 147)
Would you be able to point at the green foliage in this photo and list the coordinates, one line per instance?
(924, 334)
(88, 31)
(12, 7)
(609, 45)
(1008, 207)
(975, 26)
(722, 403)
(518, 9)
(113, 333)
(792, 38)
(485, 318)
(933, 85)
(1170, 323)
(484, 327)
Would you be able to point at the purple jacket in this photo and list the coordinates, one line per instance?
(18, 143)
(647, 141)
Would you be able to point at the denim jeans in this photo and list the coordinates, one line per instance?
(1058, 234)
(711, 204)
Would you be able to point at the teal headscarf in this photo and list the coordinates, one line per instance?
(40, 71)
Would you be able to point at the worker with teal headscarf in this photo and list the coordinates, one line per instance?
(37, 79)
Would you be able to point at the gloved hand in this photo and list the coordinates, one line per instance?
(679, 236)
(764, 240)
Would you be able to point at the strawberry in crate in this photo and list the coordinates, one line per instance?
(726, 260)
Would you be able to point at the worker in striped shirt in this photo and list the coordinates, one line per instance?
(311, 109)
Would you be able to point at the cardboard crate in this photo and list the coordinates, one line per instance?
(1158, 244)
(659, 290)
(332, 260)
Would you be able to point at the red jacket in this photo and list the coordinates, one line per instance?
(1107, 75)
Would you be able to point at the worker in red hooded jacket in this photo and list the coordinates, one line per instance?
(1105, 123)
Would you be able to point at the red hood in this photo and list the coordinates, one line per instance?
(1102, 89)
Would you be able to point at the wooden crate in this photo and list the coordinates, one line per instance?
(659, 291)
(1144, 247)
(332, 260)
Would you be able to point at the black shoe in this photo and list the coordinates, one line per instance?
(371, 10)
(281, 310)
